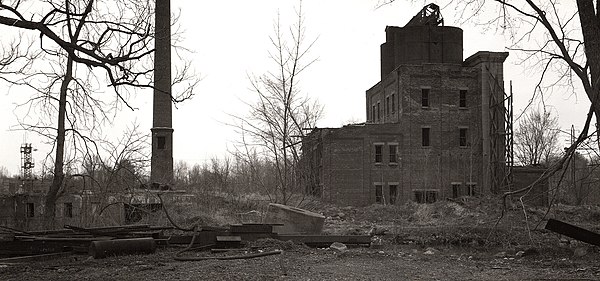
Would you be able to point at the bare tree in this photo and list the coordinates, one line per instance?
(81, 48)
(536, 138)
(276, 122)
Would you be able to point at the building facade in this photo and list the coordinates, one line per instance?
(434, 129)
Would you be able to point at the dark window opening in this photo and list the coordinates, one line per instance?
(387, 106)
(425, 97)
(462, 137)
(393, 153)
(30, 210)
(378, 194)
(373, 114)
(378, 111)
(462, 99)
(425, 136)
(427, 196)
(456, 192)
(471, 189)
(68, 210)
(161, 142)
(393, 103)
(378, 153)
(393, 194)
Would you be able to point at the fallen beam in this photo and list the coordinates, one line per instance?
(574, 232)
(35, 257)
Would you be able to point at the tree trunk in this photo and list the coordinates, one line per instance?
(57, 180)
(590, 27)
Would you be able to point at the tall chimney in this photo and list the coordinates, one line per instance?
(162, 132)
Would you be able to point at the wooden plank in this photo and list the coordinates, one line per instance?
(35, 257)
(574, 232)
(251, 228)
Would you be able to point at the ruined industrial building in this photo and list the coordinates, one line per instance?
(438, 126)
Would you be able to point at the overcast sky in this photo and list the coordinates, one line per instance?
(230, 39)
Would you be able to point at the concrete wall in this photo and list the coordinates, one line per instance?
(523, 177)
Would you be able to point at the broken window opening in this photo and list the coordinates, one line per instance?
(373, 114)
(387, 105)
(425, 97)
(30, 210)
(378, 153)
(425, 196)
(393, 194)
(462, 99)
(472, 189)
(379, 194)
(456, 192)
(462, 137)
(425, 136)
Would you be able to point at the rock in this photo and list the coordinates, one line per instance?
(520, 254)
(376, 242)
(341, 215)
(580, 251)
(429, 251)
(500, 255)
(340, 247)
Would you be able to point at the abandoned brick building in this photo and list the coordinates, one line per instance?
(435, 124)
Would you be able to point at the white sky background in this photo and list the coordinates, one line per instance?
(230, 39)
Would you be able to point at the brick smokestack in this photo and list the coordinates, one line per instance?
(162, 132)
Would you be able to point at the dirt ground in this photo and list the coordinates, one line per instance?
(441, 241)
(395, 262)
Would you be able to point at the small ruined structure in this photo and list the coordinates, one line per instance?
(435, 124)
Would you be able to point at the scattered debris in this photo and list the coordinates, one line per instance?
(340, 247)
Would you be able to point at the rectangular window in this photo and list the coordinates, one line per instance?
(373, 114)
(425, 136)
(393, 193)
(378, 111)
(30, 210)
(387, 105)
(161, 142)
(471, 188)
(393, 103)
(425, 97)
(378, 194)
(425, 196)
(68, 210)
(462, 98)
(378, 153)
(462, 137)
(393, 153)
(456, 192)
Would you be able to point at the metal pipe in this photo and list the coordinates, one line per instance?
(102, 249)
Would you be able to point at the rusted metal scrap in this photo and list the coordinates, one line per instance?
(574, 232)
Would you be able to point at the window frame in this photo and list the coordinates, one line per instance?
(378, 154)
(425, 97)
(393, 103)
(379, 193)
(68, 210)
